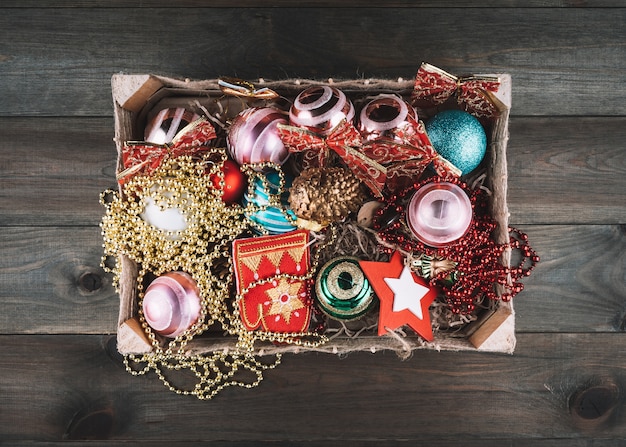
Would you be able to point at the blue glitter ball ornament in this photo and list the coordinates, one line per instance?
(459, 138)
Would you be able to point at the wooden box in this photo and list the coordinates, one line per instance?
(135, 96)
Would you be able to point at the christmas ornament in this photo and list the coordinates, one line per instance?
(429, 267)
(477, 258)
(166, 210)
(325, 195)
(342, 290)
(235, 182)
(407, 155)
(205, 251)
(269, 273)
(439, 213)
(144, 158)
(320, 109)
(171, 303)
(343, 140)
(244, 89)
(164, 126)
(459, 138)
(267, 205)
(253, 137)
(475, 94)
(387, 116)
(404, 297)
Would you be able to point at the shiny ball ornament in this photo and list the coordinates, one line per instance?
(171, 304)
(459, 138)
(439, 213)
(342, 289)
(275, 220)
(253, 136)
(164, 126)
(235, 182)
(320, 108)
(170, 219)
(387, 116)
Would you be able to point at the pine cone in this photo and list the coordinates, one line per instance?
(325, 195)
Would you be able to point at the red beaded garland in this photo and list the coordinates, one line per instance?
(479, 258)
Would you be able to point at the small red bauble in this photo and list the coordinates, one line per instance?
(235, 182)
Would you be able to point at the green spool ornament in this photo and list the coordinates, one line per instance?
(343, 291)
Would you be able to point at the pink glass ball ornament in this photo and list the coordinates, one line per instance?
(171, 304)
(253, 136)
(387, 116)
(320, 108)
(164, 126)
(439, 213)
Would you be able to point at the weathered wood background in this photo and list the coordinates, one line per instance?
(60, 376)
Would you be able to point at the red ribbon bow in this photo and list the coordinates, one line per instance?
(145, 158)
(345, 140)
(433, 86)
(407, 156)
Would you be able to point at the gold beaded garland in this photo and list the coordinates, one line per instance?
(202, 249)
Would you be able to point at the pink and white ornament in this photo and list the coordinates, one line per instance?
(171, 304)
(387, 116)
(439, 213)
(320, 108)
(253, 136)
(164, 126)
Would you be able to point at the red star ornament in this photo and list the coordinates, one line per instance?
(404, 297)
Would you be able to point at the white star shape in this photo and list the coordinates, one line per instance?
(407, 293)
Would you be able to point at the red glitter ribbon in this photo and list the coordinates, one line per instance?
(433, 87)
(345, 140)
(406, 157)
(144, 158)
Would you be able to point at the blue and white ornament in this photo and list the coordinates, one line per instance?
(459, 138)
(273, 219)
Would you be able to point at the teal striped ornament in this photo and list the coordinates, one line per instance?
(272, 219)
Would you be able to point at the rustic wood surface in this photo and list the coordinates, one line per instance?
(61, 378)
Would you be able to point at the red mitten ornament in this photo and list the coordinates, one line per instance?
(267, 269)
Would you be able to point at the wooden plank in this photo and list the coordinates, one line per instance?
(567, 170)
(52, 201)
(494, 442)
(52, 171)
(71, 387)
(555, 68)
(580, 283)
(313, 4)
(561, 170)
(52, 282)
